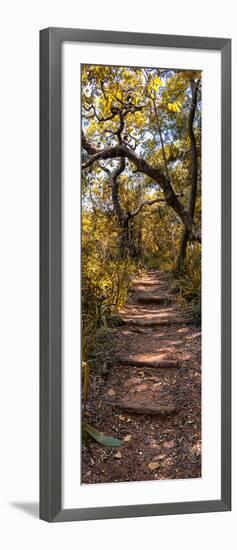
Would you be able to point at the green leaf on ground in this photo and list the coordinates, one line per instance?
(100, 437)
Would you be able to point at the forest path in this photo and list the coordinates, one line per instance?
(151, 398)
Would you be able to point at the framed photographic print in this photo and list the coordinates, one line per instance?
(135, 305)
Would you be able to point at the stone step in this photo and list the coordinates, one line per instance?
(146, 283)
(153, 299)
(153, 322)
(147, 360)
(138, 330)
(143, 407)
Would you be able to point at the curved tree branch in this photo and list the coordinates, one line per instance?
(145, 203)
(122, 151)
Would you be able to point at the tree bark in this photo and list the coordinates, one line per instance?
(127, 245)
(194, 175)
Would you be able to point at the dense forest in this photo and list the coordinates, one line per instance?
(141, 202)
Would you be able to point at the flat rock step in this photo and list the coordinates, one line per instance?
(138, 330)
(145, 282)
(143, 360)
(152, 322)
(140, 407)
(152, 299)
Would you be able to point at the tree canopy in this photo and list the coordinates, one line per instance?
(142, 128)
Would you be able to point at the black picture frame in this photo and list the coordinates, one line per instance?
(51, 40)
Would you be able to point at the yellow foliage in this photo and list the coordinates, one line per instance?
(174, 107)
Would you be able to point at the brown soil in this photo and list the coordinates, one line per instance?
(154, 407)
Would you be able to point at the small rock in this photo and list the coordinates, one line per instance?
(168, 444)
(142, 387)
(153, 466)
(111, 392)
(118, 455)
(127, 437)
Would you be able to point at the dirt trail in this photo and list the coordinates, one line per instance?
(151, 396)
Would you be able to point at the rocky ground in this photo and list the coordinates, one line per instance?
(149, 395)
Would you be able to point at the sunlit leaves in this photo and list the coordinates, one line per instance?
(157, 82)
(174, 107)
(153, 85)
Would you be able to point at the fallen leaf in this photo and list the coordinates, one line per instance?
(118, 455)
(127, 437)
(121, 417)
(153, 466)
(100, 437)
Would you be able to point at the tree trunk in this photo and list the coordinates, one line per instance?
(139, 225)
(124, 239)
(128, 248)
(194, 176)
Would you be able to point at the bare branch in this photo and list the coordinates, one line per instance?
(161, 137)
(110, 117)
(145, 203)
